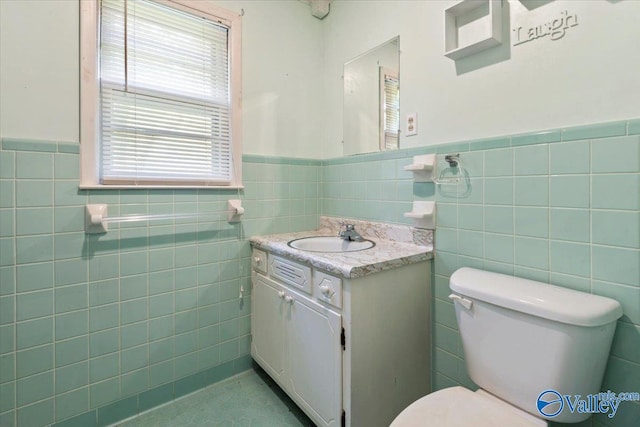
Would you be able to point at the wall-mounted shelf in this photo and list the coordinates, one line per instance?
(422, 167)
(423, 214)
(472, 26)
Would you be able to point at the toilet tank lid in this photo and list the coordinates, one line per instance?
(535, 298)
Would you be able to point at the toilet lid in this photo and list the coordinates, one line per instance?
(461, 407)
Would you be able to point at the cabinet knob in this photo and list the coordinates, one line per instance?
(326, 291)
(257, 260)
(281, 294)
(289, 299)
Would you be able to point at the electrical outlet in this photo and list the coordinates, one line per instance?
(411, 124)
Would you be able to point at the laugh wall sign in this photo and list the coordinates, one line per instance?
(554, 29)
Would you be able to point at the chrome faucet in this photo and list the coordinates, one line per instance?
(350, 233)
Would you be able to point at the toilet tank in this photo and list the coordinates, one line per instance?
(521, 337)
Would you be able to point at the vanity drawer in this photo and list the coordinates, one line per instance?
(327, 288)
(290, 272)
(259, 261)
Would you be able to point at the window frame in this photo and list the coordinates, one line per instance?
(90, 94)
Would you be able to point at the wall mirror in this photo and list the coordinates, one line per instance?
(371, 119)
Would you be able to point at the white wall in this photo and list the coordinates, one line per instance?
(282, 78)
(292, 65)
(282, 74)
(39, 72)
(589, 76)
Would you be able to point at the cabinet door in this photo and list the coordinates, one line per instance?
(268, 326)
(315, 359)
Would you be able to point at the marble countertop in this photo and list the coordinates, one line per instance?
(385, 255)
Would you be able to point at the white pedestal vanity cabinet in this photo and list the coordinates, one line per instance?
(348, 351)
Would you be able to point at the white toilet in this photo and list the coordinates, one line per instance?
(520, 338)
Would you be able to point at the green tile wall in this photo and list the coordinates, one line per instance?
(560, 206)
(108, 326)
(95, 328)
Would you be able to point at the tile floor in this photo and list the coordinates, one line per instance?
(250, 399)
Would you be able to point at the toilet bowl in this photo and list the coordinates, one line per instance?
(520, 338)
(461, 407)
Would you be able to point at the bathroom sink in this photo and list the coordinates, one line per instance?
(330, 244)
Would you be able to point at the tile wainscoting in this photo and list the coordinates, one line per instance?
(560, 206)
(96, 326)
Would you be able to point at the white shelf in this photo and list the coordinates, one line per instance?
(472, 26)
(422, 167)
(423, 214)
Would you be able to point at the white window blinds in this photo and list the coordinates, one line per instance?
(165, 96)
(391, 111)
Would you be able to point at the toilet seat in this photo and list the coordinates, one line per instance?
(461, 407)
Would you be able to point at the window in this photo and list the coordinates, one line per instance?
(390, 106)
(160, 94)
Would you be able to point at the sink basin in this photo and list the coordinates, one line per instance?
(330, 244)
